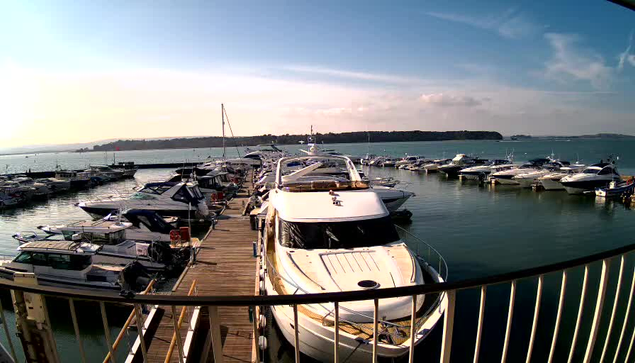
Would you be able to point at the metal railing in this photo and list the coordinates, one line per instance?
(608, 346)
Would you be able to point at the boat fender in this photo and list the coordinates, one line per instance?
(262, 342)
(262, 288)
(262, 274)
(262, 321)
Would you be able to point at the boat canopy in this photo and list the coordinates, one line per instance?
(152, 220)
(59, 247)
(328, 207)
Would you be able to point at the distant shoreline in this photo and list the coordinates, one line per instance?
(328, 138)
(230, 143)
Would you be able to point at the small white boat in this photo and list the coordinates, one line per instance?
(433, 166)
(56, 185)
(74, 265)
(137, 225)
(77, 180)
(616, 189)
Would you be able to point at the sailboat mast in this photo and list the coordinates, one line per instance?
(222, 112)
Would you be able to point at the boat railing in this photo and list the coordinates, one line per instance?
(425, 253)
(578, 330)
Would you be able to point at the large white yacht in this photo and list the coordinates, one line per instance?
(506, 177)
(330, 234)
(483, 171)
(168, 199)
(551, 181)
(595, 176)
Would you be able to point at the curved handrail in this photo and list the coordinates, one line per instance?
(250, 300)
(442, 272)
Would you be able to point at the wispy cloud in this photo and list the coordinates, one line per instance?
(449, 100)
(626, 56)
(571, 61)
(509, 24)
(354, 75)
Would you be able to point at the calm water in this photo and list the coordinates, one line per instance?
(589, 151)
(480, 230)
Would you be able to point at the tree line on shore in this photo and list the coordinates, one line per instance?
(327, 138)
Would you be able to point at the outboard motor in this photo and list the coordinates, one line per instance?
(134, 277)
(160, 252)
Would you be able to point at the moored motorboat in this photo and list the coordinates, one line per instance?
(334, 234)
(460, 161)
(73, 265)
(593, 177)
(616, 189)
(481, 172)
(168, 199)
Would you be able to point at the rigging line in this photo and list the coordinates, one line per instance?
(232, 132)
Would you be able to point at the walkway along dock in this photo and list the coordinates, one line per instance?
(225, 265)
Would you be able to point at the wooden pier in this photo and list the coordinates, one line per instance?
(225, 265)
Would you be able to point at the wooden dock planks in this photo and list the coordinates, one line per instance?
(225, 266)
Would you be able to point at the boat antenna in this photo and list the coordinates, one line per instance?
(222, 114)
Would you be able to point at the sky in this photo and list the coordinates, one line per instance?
(73, 71)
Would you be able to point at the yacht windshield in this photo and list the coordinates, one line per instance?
(365, 233)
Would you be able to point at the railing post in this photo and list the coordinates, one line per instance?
(413, 330)
(5, 327)
(556, 328)
(296, 333)
(78, 336)
(579, 318)
(479, 328)
(448, 326)
(599, 304)
(177, 333)
(336, 325)
(626, 316)
(534, 325)
(612, 319)
(510, 316)
(375, 328)
(214, 326)
(140, 324)
(104, 320)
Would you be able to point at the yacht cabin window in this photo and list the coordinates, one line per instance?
(328, 235)
(156, 189)
(54, 260)
(606, 171)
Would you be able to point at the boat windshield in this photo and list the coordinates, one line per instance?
(350, 234)
(591, 171)
(54, 260)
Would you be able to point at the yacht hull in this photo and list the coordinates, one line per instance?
(579, 187)
(53, 281)
(504, 181)
(551, 184)
(451, 170)
(525, 182)
(393, 198)
(102, 211)
(317, 339)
